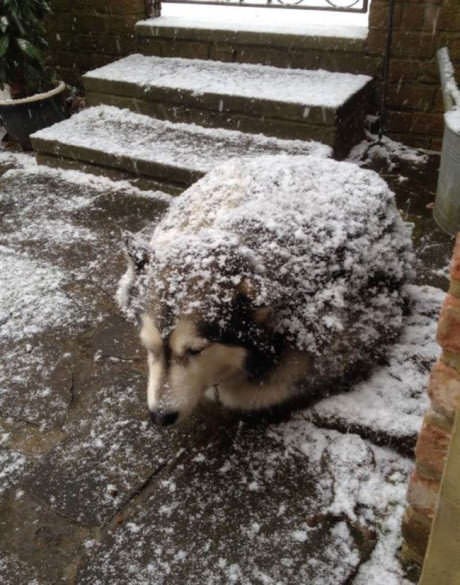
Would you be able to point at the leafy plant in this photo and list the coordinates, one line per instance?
(22, 40)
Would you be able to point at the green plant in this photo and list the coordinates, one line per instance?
(22, 40)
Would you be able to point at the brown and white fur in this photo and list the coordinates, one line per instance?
(187, 363)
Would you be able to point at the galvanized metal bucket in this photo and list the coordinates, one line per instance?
(447, 205)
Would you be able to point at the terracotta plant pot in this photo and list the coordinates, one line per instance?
(22, 117)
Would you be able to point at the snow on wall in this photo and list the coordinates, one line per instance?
(321, 243)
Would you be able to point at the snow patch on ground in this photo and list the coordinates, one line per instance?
(452, 119)
(387, 150)
(93, 183)
(12, 465)
(31, 297)
(368, 483)
(17, 159)
(393, 399)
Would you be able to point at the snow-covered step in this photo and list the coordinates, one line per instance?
(283, 38)
(110, 140)
(287, 103)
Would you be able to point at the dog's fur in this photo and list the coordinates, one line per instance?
(219, 309)
(199, 355)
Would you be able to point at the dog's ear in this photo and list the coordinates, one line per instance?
(137, 255)
(248, 289)
(262, 314)
(136, 252)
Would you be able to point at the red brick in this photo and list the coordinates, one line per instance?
(417, 122)
(416, 531)
(431, 449)
(444, 389)
(449, 325)
(422, 494)
(411, 96)
(378, 16)
(455, 264)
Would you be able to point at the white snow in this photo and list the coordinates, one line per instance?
(368, 484)
(393, 399)
(387, 150)
(297, 86)
(122, 133)
(31, 296)
(96, 183)
(12, 464)
(17, 159)
(251, 19)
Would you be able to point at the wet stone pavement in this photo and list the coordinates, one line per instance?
(92, 494)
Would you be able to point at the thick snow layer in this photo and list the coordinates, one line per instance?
(274, 20)
(298, 86)
(321, 243)
(125, 134)
(391, 402)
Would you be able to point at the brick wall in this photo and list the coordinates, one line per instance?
(435, 435)
(84, 34)
(414, 97)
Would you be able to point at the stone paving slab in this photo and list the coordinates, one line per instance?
(253, 506)
(111, 452)
(15, 572)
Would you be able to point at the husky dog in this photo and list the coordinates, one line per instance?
(269, 276)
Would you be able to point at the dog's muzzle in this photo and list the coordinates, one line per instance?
(164, 418)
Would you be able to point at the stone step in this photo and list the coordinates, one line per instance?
(297, 45)
(123, 144)
(287, 103)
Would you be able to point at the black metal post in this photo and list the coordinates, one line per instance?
(386, 68)
(152, 8)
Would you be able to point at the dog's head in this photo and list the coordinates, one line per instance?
(183, 365)
(227, 340)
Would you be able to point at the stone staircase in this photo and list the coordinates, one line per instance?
(164, 119)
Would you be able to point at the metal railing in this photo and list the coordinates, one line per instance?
(360, 6)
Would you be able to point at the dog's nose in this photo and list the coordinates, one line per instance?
(164, 418)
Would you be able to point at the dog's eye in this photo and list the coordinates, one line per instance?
(190, 351)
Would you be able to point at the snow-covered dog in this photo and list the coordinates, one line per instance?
(267, 276)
